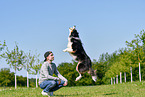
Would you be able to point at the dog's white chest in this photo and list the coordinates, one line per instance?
(69, 45)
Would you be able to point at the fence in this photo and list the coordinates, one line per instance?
(125, 76)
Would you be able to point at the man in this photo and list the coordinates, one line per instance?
(46, 80)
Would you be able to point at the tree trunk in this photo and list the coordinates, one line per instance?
(139, 73)
(131, 73)
(36, 81)
(125, 76)
(27, 80)
(120, 78)
(15, 81)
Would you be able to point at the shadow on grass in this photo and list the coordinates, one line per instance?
(77, 94)
(109, 93)
(69, 95)
(80, 95)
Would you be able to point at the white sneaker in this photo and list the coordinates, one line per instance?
(44, 93)
(47, 94)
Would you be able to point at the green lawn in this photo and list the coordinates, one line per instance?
(134, 89)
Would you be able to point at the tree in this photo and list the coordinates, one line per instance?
(32, 65)
(35, 66)
(21, 81)
(68, 71)
(137, 46)
(2, 46)
(15, 59)
(6, 78)
(129, 57)
(36, 69)
(29, 61)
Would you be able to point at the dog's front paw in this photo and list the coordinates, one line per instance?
(65, 50)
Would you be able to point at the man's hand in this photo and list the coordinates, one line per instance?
(59, 82)
(65, 84)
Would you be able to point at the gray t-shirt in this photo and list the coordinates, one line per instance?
(47, 70)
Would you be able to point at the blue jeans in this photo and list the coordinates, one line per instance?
(51, 85)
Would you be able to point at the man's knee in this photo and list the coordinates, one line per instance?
(53, 82)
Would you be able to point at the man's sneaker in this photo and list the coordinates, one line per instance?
(47, 94)
(44, 93)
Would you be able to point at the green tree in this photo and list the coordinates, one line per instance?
(137, 46)
(2, 46)
(15, 59)
(21, 81)
(129, 57)
(35, 66)
(35, 69)
(68, 71)
(104, 64)
(6, 78)
(29, 61)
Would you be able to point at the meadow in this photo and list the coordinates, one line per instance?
(134, 89)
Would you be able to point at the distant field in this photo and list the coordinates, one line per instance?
(134, 89)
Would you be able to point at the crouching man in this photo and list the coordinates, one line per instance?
(46, 81)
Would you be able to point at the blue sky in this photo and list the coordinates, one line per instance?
(42, 25)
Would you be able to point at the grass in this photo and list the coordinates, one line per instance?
(134, 89)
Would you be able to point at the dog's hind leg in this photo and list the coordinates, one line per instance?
(80, 76)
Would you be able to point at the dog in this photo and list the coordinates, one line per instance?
(76, 50)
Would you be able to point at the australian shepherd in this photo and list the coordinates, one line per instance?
(78, 53)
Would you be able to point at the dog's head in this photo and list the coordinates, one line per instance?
(73, 32)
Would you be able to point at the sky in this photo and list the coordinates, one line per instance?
(43, 25)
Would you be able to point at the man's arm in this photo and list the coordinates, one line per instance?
(46, 73)
(59, 75)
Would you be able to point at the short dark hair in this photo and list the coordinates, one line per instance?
(47, 54)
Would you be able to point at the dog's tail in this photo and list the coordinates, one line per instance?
(93, 74)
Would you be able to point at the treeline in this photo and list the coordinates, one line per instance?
(108, 65)
(7, 79)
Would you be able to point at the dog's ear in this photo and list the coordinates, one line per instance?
(70, 29)
(74, 27)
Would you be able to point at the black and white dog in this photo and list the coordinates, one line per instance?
(78, 53)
